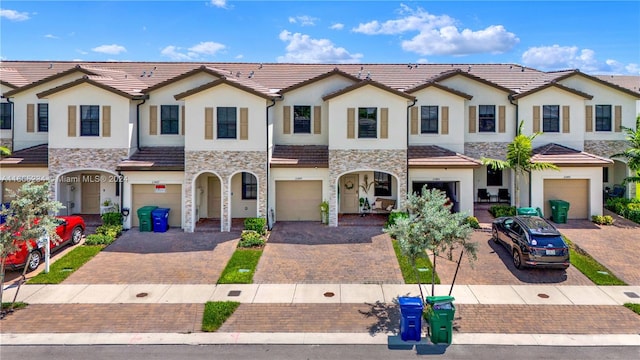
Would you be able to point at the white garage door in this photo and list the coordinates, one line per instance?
(144, 195)
(576, 192)
(298, 200)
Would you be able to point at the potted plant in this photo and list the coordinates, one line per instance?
(324, 211)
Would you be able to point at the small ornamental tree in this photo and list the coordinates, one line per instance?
(29, 216)
(431, 226)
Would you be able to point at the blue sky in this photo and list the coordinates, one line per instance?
(596, 37)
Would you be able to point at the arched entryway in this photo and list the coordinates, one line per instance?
(243, 198)
(366, 192)
(207, 201)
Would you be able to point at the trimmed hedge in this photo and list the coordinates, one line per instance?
(112, 218)
(502, 210)
(473, 222)
(629, 209)
(110, 230)
(258, 225)
(250, 238)
(98, 239)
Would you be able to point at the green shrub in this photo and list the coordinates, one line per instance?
(502, 210)
(258, 225)
(394, 215)
(473, 222)
(110, 230)
(602, 220)
(112, 218)
(633, 215)
(250, 238)
(98, 239)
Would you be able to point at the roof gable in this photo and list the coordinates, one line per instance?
(367, 82)
(557, 86)
(441, 87)
(199, 70)
(97, 81)
(75, 69)
(334, 72)
(599, 81)
(263, 93)
(457, 72)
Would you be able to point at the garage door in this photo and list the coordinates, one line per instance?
(298, 200)
(576, 192)
(169, 197)
(13, 185)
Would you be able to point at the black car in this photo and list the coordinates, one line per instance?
(532, 241)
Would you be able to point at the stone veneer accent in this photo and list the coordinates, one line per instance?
(605, 148)
(71, 159)
(225, 164)
(494, 150)
(344, 161)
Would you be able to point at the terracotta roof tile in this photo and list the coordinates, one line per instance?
(564, 156)
(432, 156)
(35, 156)
(300, 156)
(154, 159)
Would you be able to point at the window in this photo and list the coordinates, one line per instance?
(249, 186)
(302, 119)
(487, 118)
(5, 116)
(169, 119)
(43, 117)
(605, 174)
(382, 184)
(603, 117)
(429, 119)
(368, 122)
(494, 176)
(89, 120)
(551, 118)
(226, 123)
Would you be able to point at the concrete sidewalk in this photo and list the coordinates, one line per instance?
(320, 294)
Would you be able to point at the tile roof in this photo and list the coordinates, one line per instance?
(564, 156)
(432, 156)
(155, 159)
(35, 156)
(629, 82)
(285, 156)
(556, 85)
(363, 83)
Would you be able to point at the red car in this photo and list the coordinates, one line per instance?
(70, 230)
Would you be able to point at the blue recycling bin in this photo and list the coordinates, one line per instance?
(160, 217)
(410, 321)
(2, 217)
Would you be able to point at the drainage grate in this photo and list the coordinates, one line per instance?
(329, 294)
(141, 295)
(544, 296)
(234, 293)
(631, 294)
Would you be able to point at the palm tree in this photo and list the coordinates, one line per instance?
(632, 153)
(519, 153)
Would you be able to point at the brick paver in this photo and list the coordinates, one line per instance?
(495, 267)
(173, 257)
(305, 252)
(616, 247)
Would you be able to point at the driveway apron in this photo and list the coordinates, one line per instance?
(172, 257)
(308, 252)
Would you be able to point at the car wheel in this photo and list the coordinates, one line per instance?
(34, 261)
(517, 259)
(494, 235)
(76, 235)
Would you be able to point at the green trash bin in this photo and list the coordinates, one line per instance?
(439, 315)
(527, 211)
(144, 218)
(559, 211)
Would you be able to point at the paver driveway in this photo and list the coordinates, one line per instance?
(616, 247)
(495, 267)
(306, 252)
(173, 257)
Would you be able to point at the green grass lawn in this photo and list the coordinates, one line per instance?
(66, 265)
(592, 269)
(634, 307)
(241, 267)
(216, 313)
(409, 273)
(16, 306)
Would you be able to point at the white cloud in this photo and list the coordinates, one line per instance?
(81, 52)
(219, 3)
(14, 15)
(303, 49)
(558, 57)
(439, 35)
(193, 53)
(337, 26)
(112, 49)
(303, 20)
(51, 36)
(239, 56)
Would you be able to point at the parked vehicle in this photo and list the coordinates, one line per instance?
(70, 229)
(532, 241)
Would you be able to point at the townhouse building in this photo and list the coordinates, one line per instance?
(224, 141)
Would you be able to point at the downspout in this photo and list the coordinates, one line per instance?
(13, 123)
(144, 99)
(273, 103)
(415, 100)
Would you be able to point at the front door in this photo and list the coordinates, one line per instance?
(349, 201)
(90, 194)
(213, 197)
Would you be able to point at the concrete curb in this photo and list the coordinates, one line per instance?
(389, 339)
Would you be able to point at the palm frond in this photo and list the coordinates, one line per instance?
(495, 164)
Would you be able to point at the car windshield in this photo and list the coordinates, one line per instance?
(539, 226)
(547, 241)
